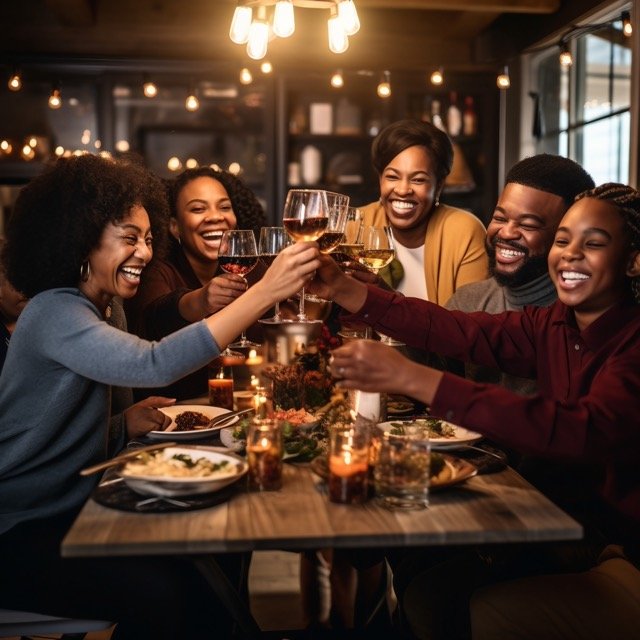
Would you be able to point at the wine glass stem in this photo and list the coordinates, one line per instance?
(301, 314)
(276, 312)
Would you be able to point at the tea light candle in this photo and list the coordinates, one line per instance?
(253, 359)
(264, 455)
(348, 471)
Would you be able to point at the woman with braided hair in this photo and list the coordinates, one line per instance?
(584, 351)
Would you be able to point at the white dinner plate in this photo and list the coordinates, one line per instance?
(461, 438)
(194, 434)
(166, 485)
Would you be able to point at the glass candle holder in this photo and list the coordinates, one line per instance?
(221, 386)
(264, 454)
(348, 465)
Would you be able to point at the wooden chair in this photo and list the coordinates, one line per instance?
(26, 623)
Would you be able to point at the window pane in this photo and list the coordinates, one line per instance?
(594, 100)
(604, 148)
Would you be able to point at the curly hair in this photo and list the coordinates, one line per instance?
(402, 134)
(627, 200)
(246, 207)
(60, 215)
(554, 174)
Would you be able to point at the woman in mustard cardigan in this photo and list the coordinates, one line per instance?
(445, 244)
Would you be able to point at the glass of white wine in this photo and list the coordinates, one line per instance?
(351, 245)
(378, 250)
(306, 215)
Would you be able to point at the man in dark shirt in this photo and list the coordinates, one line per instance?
(584, 351)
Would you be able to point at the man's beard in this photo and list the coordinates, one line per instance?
(532, 268)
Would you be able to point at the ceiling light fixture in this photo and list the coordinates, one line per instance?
(503, 80)
(384, 88)
(253, 28)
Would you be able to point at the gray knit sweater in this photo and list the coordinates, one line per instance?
(55, 396)
(488, 295)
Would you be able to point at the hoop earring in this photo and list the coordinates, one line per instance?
(437, 202)
(85, 271)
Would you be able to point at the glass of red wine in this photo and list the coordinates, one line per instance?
(271, 242)
(238, 254)
(306, 215)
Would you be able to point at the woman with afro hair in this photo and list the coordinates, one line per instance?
(188, 285)
(80, 235)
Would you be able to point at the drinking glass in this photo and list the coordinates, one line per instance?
(351, 244)
(238, 254)
(264, 454)
(271, 242)
(334, 233)
(306, 215)
(401, 471)
(378, 250)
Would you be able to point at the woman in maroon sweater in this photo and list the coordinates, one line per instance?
(187, 285)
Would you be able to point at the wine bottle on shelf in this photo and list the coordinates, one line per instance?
(436, 118)
(469, 118)
(454, 116)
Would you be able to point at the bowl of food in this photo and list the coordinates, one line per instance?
(188, 422)
(182, 471)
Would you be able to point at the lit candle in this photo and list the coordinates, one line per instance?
(253, 359)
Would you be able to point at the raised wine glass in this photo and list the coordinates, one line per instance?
(334, 233)
(238, 254)
(272, 240)
(351, 245)
(306, 215)
(378, 250)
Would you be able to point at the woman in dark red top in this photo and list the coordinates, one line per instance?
(187, 285)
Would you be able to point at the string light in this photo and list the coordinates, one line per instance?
(245, 76)
(437, 77)
(384, 88)
(337, 79)
(15, 80)
(566, 60)
(192, 103)
(627, 27)
(266, 67)
(150, 89)
(55, 98)
(503, 81)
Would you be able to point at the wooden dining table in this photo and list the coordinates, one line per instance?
(496, 508)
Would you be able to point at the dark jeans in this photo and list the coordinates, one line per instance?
(149, 597)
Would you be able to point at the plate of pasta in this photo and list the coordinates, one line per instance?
(182, 470)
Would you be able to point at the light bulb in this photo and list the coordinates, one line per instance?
(240, 23)
(627, 27)
(337, 81)
(503, 81)
(349, 17)
(384, 88)
(258, 40)
(566, 60)
(338, 40)
(437, 77)
(245, 76)
(15, 81)
(266, 67)
(192, 103)
(55, 99)
(149, 89)
(283, 21)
